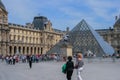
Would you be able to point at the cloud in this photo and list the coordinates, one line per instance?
(62, 13)
(105, 11)
(104, 8)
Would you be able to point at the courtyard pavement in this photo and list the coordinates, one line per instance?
(94, 69)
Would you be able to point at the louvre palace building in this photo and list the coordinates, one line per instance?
(38, 37)
(33, 38)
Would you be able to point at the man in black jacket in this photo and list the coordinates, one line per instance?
(69, 68)
(30, 61)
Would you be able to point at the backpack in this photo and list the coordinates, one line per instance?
(64, 68)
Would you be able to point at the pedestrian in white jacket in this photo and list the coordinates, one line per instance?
(79, 65)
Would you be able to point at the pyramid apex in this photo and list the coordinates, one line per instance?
(83, 20)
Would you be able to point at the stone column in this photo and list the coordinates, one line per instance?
(29, 50)
(12, 50)
(25, 50)
(21, 49)
(32, 50)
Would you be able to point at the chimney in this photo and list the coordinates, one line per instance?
(67, 29)
(116, 18)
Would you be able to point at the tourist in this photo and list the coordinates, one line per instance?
(69, 68)
(79, 65)
(14, 59)
(30, 61)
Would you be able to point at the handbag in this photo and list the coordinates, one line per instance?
(64, 68)
(76, 66)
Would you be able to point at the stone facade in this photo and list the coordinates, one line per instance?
(4, 29)
(20, 39)
(26, 40)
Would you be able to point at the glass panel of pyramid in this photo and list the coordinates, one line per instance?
(84, 39)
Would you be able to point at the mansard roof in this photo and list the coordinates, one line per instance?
(39, 22)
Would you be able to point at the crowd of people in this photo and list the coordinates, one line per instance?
(12, 59)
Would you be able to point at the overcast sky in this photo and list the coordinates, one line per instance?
(100, 14)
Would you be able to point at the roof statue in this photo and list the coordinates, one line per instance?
(83, 38)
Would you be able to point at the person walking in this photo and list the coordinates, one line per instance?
(79, 66)
(69, 68)
(30, 61)
(14, 58)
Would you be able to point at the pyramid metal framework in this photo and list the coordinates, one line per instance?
(56, 48)
(83, 39)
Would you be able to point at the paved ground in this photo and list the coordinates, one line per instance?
(96, 69)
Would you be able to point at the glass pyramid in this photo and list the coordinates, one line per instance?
(84, 39)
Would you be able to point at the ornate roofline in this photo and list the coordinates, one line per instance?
(3, 7)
